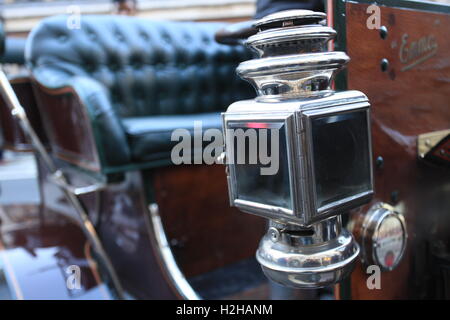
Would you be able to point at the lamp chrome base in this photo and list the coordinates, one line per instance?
(319, 256)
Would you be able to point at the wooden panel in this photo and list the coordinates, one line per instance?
(204, 232)
(410, 98)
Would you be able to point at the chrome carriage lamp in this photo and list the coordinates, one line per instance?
(299, 154)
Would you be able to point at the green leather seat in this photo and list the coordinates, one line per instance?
(150, 137)
(138, 80)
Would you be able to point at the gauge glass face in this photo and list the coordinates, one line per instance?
(389, 242)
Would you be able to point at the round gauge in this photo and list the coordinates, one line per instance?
(383, 237)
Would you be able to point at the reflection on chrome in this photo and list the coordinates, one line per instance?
(324, 149)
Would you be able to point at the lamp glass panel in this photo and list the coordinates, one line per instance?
(260, 162)
(341, 156)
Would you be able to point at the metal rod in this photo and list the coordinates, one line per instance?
(174, 272)
(18, 112)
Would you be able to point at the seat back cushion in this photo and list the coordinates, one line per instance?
(148, 67)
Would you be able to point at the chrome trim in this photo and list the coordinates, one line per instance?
(298, 259)
(271, 36)
(343, 203)
(173, 271)
(305, 247)
(271, 66)
(57, 179)
(293, 60)
(292, 76)
(297, 15)
(319, 111)
(273, 211)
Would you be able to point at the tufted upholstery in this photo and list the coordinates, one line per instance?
(128, 68)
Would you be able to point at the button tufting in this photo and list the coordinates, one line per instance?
(147, 68)
(187, 37)
(165, 36)
(136, 61)
(171, 65)
(91, 34)
(114, 67)
(199, 57)
(90, 67)
(63, 37)
(119, 36)
(144, 35)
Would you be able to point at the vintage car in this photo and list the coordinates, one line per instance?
(135, 127)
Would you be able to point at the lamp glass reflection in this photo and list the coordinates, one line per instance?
(251, 185)
(341, 156)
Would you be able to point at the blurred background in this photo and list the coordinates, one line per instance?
(17, 170)
(21, 15)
